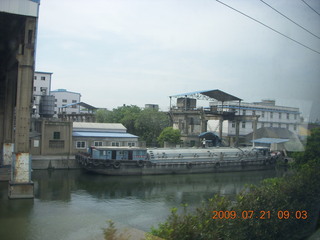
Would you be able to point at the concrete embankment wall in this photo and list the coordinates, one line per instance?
(54, 162)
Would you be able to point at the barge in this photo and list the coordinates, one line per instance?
(143, 161)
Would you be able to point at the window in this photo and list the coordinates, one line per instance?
(43, 78)
(262, 114)
(56, 135)
(97, 143)
(279, 115)
(34, 89)
(288, 116)
(295, 127)
(279, 125)
(74, 101)
(64, 100)
(233, 124)
(271, 115)
(295, 116)
(43, 90)
(35, 77)
(244, 112)
(115, 144)
(80, 144)
(243, 125)
(131, 144)
(271, 124)
(253, 112)
(56, 144)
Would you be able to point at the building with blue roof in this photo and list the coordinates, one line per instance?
(86, 134)
(63, 98)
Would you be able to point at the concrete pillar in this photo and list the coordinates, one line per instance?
(204, 125)
(8, 133)
(255, 123)
(8, 149)
(7, 160)
(236, 144)
(20, 185)
(220, 128)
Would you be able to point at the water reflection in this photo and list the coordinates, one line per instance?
(58, 185)
(76, 205)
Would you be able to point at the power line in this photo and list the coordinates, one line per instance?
(289, 19)
(310, 7)
(301, 44)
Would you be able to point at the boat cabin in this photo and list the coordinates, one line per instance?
(118, 153)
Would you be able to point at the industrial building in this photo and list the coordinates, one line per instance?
(41, 89)
(63, 98)
(101, 134)
(228, 117)
(270, 115)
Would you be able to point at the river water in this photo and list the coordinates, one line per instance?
(73, 204)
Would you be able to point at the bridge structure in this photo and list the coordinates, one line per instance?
(18, 28)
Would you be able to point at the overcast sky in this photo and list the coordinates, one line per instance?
(117, 52)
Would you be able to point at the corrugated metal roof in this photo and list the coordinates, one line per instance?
(82, 104)
(87, 126)
(214, 94)
(103, 135)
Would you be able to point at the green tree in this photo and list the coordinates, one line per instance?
(149, 125)
(101, 115)
(312, 151)
(126, 115)
(169, 135)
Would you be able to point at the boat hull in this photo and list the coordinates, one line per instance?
(147, 168)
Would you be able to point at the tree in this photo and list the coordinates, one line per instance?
(101, 115)
(149, 125)
(126, 115)
(169, 135)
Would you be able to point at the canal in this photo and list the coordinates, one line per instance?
(73, 205)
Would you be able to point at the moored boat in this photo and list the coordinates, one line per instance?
(143, 161)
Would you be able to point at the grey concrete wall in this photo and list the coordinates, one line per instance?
(54, 162)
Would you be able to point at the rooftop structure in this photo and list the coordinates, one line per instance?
(192, 121)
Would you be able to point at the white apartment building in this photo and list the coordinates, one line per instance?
(64, 98)
(41, 86)
(270, 116)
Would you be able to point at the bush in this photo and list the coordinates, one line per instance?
(281, 208)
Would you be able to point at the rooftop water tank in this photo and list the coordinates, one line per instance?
(46, 106)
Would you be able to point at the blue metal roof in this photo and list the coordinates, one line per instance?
(211, 94)
(103, 135)
(270, 140)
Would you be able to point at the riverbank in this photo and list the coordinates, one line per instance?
(54, 162)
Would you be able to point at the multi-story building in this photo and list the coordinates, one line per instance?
(41, 87)
(270, 115)
(63, 98)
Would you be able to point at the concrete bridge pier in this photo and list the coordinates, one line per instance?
(7, 154)
(21, 185)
